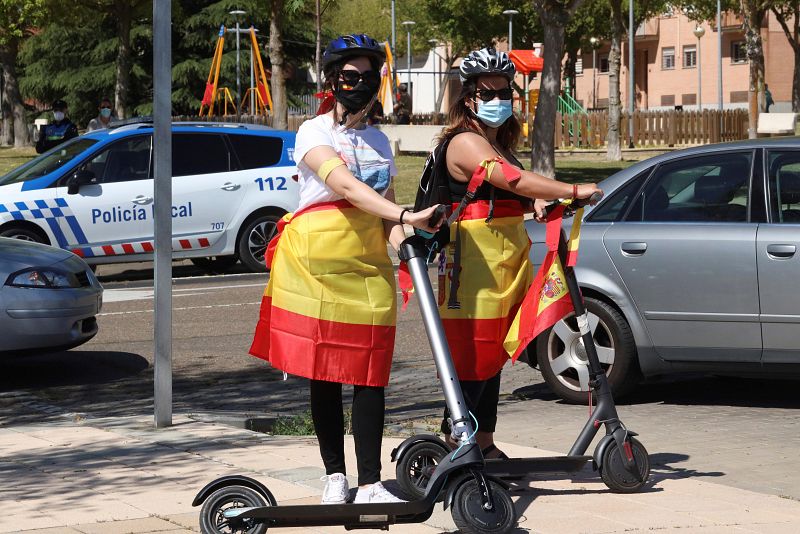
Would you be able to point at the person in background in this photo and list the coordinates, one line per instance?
(768, 97)
(104, 116)
(402, 109)
(59, 131)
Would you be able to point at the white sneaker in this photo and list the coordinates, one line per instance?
(336, 489)
(375, 493)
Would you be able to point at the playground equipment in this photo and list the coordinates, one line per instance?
(218, 99)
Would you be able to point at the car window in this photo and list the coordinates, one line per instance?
(199, 154)
(124, 161)
(711, 188)
(784, 186)
(48, 162)
(612, 208)
(255, 151)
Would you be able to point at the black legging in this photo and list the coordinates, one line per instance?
(481, 397)
(328, 416)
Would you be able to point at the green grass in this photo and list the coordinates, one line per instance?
(11, 158)
(567, 170)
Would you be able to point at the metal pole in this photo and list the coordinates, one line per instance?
(253, 98)
(510, 33)
(631, 84)
(699, 78)
(594, 77)
(408, 52)
(162, 209)
(719, 64)
(394, 54)
(238, 71)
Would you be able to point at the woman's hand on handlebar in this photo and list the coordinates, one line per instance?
(422, 219)
(587, 190)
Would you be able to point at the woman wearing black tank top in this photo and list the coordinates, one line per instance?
(484, 273)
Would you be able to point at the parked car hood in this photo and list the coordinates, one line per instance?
(16, 254)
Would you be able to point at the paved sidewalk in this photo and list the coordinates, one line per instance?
(64, 473)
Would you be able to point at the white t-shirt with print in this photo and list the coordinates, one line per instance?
(365, 151)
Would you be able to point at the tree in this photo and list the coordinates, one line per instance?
(554, 16)
(785, 12)
(17, 17)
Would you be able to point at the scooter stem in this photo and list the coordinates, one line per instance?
(414, 253)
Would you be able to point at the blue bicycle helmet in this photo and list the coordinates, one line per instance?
(347, 46)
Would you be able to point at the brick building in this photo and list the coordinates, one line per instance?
(673, 54)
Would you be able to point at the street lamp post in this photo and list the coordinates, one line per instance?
(237, 13)
(631, 82)
(408, 24)
(699, 32)
(594, 41)
(435, 43)
(510, 13)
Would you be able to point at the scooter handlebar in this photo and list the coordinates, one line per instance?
(575, 205)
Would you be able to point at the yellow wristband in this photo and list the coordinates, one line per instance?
(327, 167)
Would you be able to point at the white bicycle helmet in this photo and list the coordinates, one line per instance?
(486, 61)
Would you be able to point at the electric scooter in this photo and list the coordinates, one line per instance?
(479, 503)
(619, 457)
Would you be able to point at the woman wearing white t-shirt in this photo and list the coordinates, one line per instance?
(328, 313)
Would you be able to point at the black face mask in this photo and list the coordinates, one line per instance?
(357, 98)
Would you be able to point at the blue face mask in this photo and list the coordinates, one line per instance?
(494, 113)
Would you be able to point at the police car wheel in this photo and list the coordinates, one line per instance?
(254, 239)
(23, 234)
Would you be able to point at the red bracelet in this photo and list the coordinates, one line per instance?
(574, 190)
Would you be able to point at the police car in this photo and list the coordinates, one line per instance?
(93, 195)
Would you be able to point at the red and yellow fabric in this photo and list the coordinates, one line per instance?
(329, 309)
(548, 299)
(495, 274)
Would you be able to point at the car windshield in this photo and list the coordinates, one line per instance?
(48, 162)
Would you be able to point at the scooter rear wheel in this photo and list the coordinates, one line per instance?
(415, 468)
(471, 517)
(614, 474)
(213, 521)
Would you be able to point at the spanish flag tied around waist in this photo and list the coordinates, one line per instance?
(547, 300)
(495, 274)
(328, 312)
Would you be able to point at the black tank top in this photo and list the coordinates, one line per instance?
(458, 188)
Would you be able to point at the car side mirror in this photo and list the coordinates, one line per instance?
(80, 178)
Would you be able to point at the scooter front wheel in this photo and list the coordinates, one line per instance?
(614, 474)
(416, 467)
(471, 517)
(212, 515)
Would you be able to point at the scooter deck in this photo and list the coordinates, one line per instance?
(352, 516)
(545, 464)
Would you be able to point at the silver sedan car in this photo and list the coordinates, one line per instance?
(49, 298)
(689, 264)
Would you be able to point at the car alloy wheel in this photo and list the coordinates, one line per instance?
(254, 240)
(562, 358)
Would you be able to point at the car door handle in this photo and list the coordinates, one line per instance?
(141, 199)
(230, 186)
(634, 248)
(781, 251)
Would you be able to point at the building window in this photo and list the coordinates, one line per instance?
(668, 58)
(689, 99)
(603, 64)
(667, 100)
(738, 52)
(579, 67)
(689, 57)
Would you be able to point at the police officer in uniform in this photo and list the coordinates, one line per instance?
(59, 131)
